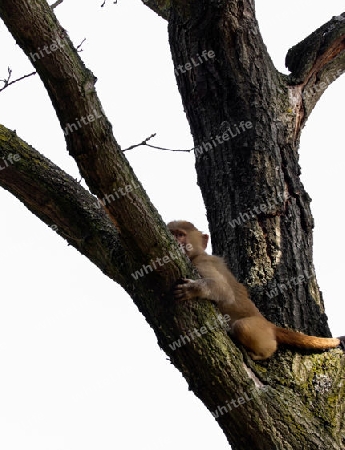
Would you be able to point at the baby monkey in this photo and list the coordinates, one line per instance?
(218, 284)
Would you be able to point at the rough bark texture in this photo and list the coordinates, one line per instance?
(257, 208)
(294, 400)
(257, 166)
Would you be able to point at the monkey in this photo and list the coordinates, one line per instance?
(249, 327)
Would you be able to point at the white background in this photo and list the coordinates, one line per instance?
(79, 366)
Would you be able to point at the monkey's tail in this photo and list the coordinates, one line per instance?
(301, 340)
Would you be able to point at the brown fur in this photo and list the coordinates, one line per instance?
(218, 284)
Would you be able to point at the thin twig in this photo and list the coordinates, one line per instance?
(7, 81)
(57, 3)
(141, 143)
(170, 149)
(144, 142)
(78, 47)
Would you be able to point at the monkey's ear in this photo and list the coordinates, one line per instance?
(204, 240)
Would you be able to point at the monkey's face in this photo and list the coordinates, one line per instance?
(182, 239)
(190, 239)
(190, 242)
(180, 236)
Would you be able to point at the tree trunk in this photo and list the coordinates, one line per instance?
(257, 208)
(246, 120)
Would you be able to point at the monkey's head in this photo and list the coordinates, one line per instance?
(192, 241)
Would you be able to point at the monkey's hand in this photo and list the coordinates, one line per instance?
(186, 289)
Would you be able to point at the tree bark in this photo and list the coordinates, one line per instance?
(258, 211)
(257, 208)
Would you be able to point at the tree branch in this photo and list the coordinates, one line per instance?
(101, 162)
(7, 81)
(60, 202)
(315, 63)
(89, 137)
(55, 4)
(57, 199)
(144, 142)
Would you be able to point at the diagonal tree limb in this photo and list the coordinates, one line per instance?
(315, 63)
(57, 199)
(101, 162)
(320, 47)
(89, 137)
(62, 203)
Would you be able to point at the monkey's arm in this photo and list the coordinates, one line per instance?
(213, 286)
(188, 289)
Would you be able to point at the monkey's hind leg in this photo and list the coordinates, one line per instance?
(257, 335)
